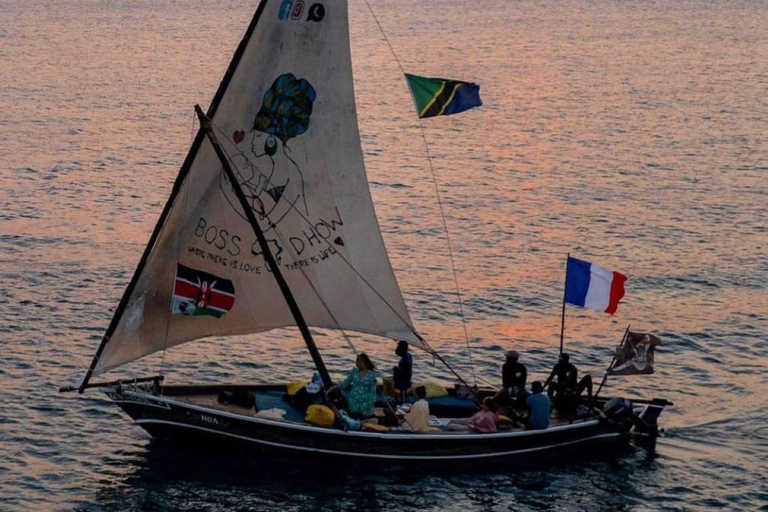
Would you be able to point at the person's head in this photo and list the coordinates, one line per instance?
(364, 363)
(420, 392)
(536, 387)
(489, 404)
(402, 348)
(564, 358)
(513, 355)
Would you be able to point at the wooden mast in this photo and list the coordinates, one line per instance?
(205, 124)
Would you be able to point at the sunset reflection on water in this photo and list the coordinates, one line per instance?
(630, 135)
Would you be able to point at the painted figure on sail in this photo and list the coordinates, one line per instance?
(273, 179)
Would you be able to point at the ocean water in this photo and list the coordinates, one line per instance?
(631, 134)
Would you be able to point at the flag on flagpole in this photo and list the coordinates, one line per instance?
(635, 356)
(592, 286)
(442, 97)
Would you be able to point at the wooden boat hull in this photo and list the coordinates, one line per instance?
(168, 417)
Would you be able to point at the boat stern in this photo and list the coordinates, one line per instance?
(627, 416)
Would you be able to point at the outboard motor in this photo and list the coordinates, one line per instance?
(619, 414)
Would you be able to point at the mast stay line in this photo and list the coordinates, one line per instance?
(205, 124)
(370, 286)
(427, 348)
(440, 204)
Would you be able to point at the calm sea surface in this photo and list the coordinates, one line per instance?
(632, 134)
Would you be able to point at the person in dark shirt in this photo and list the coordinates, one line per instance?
(513, 378)
(567, 383)
(403, 372)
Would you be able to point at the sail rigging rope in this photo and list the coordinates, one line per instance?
(291, 252)
(314, 289)
(225, 137)
(285, 243)
(184, 199)
(439, 201)
(428, 348)
(184, 207)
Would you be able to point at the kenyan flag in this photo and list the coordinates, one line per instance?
(199, 293)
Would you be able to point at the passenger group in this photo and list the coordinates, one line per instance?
(354, 398)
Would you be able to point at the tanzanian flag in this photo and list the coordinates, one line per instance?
(442, 97)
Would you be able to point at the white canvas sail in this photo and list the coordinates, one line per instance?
(286, 117)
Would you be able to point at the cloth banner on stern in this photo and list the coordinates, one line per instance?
(635, 355)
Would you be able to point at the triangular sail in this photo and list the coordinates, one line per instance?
(286, 116)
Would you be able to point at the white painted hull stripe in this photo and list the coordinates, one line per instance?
(297, 426)
(375, 456)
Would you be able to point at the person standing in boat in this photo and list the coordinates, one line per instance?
(568, 383)
(359, 388)
(403, 372)
(513, 377)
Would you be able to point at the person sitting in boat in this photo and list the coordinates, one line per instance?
(568, 384)
(403, 372)
(483, 421)
(513, 377)
(417, 419)
(359, 387)
(538, 408)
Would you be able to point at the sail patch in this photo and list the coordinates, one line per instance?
(197, 293)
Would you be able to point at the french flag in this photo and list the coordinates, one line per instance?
(592, 286)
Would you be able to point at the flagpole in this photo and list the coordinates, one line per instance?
(613, 361)
(562, 320)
